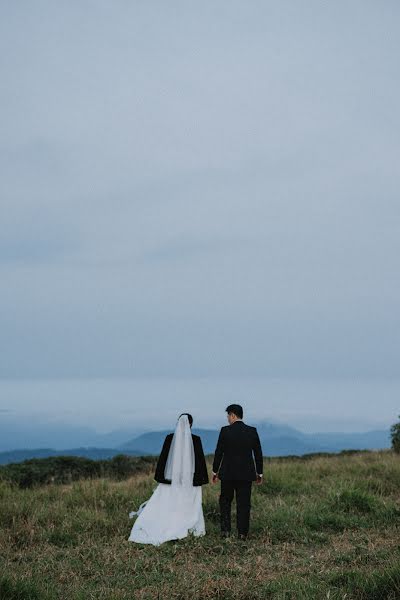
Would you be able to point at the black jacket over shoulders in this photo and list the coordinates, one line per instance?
(200, 476)
(238, 454)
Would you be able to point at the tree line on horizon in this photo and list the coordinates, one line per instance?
(65, 469)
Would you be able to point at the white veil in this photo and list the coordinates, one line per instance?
(180, 463)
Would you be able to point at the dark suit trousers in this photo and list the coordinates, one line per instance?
(242, 489)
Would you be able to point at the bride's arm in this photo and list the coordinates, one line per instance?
(162, 460)
(202, 465)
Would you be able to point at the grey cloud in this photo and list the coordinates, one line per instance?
(44, 247)
(182, 248)
(199, 189)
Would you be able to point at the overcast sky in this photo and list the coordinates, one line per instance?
(200, 189)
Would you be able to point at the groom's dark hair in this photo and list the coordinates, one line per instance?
(236, 409)
(189, 417)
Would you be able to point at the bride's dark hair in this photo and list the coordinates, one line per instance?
(189, 417)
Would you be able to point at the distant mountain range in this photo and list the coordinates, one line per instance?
(26, 433)
(276, 440)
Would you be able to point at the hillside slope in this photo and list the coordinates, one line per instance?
(325, 527)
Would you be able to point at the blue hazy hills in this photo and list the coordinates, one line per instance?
(21, 443)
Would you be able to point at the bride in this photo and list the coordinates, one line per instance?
(175, 508)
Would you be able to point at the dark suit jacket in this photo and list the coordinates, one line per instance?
(200, 476)
(233, 459)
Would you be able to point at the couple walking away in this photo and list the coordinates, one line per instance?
(175, 508)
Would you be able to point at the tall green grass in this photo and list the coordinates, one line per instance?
(322, 527)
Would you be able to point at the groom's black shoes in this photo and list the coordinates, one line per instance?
(225, 534)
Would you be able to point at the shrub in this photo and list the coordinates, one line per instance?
(376, 585)
(354, 500)
(19, 590)
(395, 435)
(65, 469)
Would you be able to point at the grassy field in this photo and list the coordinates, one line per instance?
(326, 527)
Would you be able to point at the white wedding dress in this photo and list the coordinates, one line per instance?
(174, 510)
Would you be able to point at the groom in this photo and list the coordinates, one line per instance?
(236, 467)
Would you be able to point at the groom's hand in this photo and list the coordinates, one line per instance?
(259, 479)
(214, 478)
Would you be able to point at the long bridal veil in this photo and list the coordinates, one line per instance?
(175, 509)
(180, 462)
